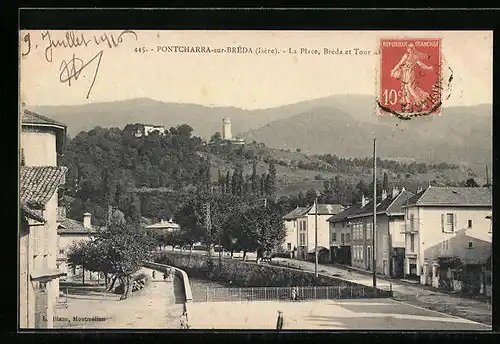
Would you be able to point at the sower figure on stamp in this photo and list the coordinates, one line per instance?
(413, 97)
(279, 321)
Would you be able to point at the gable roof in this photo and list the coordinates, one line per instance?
(325, 209)
(39, 183)
(452, 196)
(343, 215)
(70, 226)
(297, 212)
(31, 118)
(389, 205)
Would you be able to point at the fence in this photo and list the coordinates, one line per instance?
(285, 293)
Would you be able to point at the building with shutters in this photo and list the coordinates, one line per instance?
(40, 181)
(448, 237)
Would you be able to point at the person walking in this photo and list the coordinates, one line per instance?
(184, 324)
(279, 321)
(154, 274)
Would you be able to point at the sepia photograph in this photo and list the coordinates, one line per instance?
(255, 180)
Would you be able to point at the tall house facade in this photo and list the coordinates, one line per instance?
(40, 180)
(448, 237)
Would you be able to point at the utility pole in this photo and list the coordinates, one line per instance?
(316, 236)
(208, 224)
(374, 259)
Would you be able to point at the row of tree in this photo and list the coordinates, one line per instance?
(236, 222)
(239, 184)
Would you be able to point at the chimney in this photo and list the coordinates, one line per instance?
(86, 220)
(395, 191)
(363, 200)
(419, 189)
(384, 194)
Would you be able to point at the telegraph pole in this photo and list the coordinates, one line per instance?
(374, 259)
(316, 236)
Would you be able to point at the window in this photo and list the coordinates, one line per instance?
(469, 223)
(348, 237)
(61, 251)
(334, 237)
(412, 243)
(470, 243)
(448, 222)
(342, 238)
(289, 246)
(302, 239)
(412, 222)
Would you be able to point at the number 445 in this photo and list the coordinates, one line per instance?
(391, 96)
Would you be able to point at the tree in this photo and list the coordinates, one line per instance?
(184, 130)
(270, 182)
(262, 185)
(216, 137)
(228, 182)
(471, 183)
(254, 179)
(385, 182)
(119, 249)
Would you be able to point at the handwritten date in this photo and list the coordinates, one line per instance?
(71, 70)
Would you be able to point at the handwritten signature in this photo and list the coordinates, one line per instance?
(71, 70)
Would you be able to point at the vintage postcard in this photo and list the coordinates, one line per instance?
(279, 180)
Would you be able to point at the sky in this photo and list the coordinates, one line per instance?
(248, 81)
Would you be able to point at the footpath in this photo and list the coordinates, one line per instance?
(157, 306)
(414, 294)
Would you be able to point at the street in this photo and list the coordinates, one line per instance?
(368, 314)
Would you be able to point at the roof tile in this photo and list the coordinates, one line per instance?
(449, 196)
(38, 183)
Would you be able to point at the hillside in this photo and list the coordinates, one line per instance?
(461, 135)
(204, 119)
(341, 124)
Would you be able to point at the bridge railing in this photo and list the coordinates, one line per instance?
(285, 293)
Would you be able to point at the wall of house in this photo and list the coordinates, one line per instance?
(65, 241)
(291, 234)
(301, 252)
(396, 229)
(323, 231)
(430, 226)
(39, 147)
(24, 283)
(339, 228)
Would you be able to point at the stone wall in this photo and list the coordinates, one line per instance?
(249, 274)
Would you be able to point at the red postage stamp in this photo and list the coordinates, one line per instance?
(410, 77)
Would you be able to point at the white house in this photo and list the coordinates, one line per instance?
(448, 236)
(70, 231)
(291, 226)
(167, 226)
(308, 221)
(40, 179)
